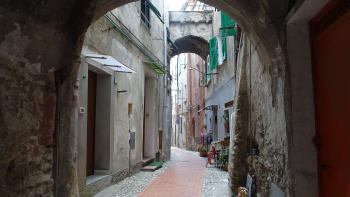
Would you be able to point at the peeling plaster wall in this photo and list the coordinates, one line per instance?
(264, 124)
(27, 105)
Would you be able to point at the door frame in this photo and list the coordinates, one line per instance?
(302, 128)
(93, 105)
(327, 16)
(105, 76)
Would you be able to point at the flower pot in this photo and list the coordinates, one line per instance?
(226, 125)
(203, 154)
(225, 167)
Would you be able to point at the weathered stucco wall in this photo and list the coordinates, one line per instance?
(265, 123)
(221, 88)
(28, 101)
(185, 23)
(190, 31)
(196, 94)
(104, 38)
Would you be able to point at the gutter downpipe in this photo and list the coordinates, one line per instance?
(177, 87)
(165, 81)
(166, 65)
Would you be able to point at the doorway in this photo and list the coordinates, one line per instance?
(149, 129)
(91, 117)
(331, 67)
(215, 123)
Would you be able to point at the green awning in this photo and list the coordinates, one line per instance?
(158, 69)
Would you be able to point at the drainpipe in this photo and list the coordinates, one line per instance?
(166, 65)
(177, 100)
(165, 130)
(165, 37)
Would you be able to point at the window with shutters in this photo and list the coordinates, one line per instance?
(213, 57)
(213, 53)
(227, 29)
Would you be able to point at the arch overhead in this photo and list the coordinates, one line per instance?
(261, 22)
(190, 44)
(38, 97)
(184, 23)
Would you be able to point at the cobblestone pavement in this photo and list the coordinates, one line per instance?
(133, 185)
(183, 178)
(215, 183)
(184, 175)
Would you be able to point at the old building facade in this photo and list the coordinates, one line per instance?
(221, 76)
(188, 100)
(196, 92)
(123, 94)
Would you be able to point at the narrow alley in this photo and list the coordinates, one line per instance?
(184, 175)
(174, 98)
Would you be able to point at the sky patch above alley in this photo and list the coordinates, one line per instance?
(175, 5)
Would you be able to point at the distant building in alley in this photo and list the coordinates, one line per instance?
(221, 76)
(210, 82)
(180, 100)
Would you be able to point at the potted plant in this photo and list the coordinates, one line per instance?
(223, 159)
(203, 151)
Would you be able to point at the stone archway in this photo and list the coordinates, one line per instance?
(40, 44)
(190, 44)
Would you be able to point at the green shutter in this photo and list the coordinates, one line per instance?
(227, 29)
(224, 47)
(226, 21)
(213, 49)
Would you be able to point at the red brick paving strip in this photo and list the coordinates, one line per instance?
(182, 179)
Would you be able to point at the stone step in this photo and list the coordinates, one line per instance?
(147, 161)
(150, 168)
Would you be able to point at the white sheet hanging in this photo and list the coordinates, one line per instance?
(221, 57)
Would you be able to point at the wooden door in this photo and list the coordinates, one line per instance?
(91, 111)
(331, 67)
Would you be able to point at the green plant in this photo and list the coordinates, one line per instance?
(223, 158)
(202, 149)
(226, 118)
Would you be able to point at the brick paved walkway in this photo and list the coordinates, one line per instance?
(182, 179)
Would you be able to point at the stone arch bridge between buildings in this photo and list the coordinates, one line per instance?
(190, 32)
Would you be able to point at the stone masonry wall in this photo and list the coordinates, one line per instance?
(264, 124)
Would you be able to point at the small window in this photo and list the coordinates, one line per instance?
(145, 13)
